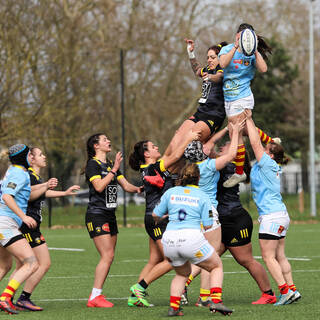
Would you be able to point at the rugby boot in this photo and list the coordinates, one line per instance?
(27, 304)
(266, 299)
(8, 307)
(285, 298)
(99, 302)
(206, 303)
(234, 179)
(140, 293)
(295, 297)
(134, 302)
(175, 312)
(220, 307)
(184, 296)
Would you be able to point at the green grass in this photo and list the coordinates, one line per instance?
(64, 291)
(74, 216)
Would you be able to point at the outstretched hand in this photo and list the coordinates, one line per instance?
(117, 161)
(190, 44)
(72, 190)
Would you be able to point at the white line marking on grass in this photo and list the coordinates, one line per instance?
(67, 249)
(294, 259)
(141, 260)
(79, 299)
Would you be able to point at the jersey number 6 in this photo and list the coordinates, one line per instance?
(182, 214)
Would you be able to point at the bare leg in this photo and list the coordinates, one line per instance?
(268, 251)
(243, 255)
(283, 262)
(105, 245)
(5, 262)
(43, 257)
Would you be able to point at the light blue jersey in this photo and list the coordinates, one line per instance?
(187, 207)
(16, 183)
(237, 75)
(265, 185)
(209, 177)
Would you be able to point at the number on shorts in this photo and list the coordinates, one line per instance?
(182, 215)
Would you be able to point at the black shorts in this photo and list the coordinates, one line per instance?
(98, 224)
(213, 122)
(155, 231)
(236, 228)
(33, 236)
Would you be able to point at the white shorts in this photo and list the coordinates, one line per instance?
(276, 224)
(236, 107)
(215, 221)
(8, 230)
(185, 245)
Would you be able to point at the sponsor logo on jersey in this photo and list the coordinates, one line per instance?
(106, 227)
(234, 240)
(187, 200)
(11, 185)
(239, 61)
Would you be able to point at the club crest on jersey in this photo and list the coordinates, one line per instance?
(98, 229)
(11, 185)
(37, 240)
(246, 62)
(106, 227)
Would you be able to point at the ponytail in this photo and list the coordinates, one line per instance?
(217, 48)
(90, 148)
(136, 158)
(263, 47)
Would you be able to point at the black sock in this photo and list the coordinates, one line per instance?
(269, 292)
(143, 284)
(25, 295)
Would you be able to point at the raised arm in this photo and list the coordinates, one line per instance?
(207, 147)
(254, 138)
(225, 59)
(129, 187)
(195, 65)
(223, 160)
(100, 184)
(261, 65)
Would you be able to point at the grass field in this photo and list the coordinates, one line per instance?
(64, 291)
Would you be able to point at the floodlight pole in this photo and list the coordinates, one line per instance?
(123, 135)
(312, 176)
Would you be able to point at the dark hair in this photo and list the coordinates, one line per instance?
(216, 48)
(263, 46)
(278, 153)
(136, 158)
(189, 174)
(90, 148)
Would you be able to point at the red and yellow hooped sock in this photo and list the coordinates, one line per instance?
(204, 294)
(216, 294)
(10, 290)
(264, 137)
(239, 161)
(175, 302)
(190, 279)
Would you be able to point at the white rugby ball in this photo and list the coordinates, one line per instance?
(248, 42)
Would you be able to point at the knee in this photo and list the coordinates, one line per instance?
(46, 265)
(31, 263)
(6, 267)
(108, 256)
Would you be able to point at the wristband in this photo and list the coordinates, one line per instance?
(112, 172)
(190, 53)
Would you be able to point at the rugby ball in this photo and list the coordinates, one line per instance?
(248, 42)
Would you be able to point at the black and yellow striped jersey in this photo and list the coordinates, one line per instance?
(34, 207)
(211, 101)
(100, 202)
